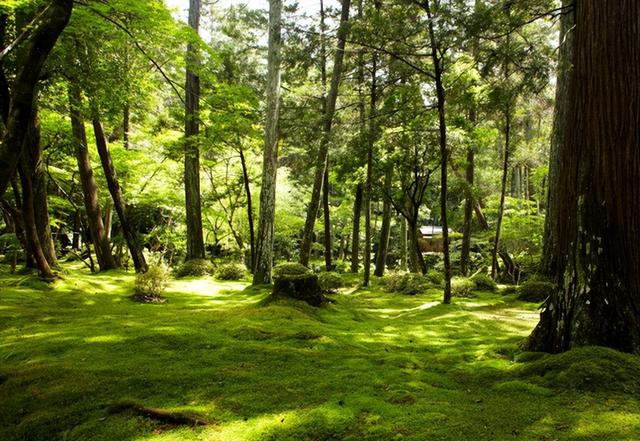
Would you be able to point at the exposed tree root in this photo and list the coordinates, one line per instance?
(177, 418)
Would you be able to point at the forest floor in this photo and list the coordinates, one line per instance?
(371, 366)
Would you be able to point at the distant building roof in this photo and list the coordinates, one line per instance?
(431, 230)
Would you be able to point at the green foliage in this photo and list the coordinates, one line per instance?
(330, 281)
(462, 287)
(290, 268)
(536, 290)
(195, 268)
(484, 282)
(406, 283)
(230, 271)
(435, 278)
(149, 286)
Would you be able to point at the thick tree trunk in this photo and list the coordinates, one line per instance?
(560, 117)
(264, 251)
(193, 205)
(89, 187)
(403, 244)
(323, 151)
(595, 248)
(20, 112)
(355, 231)
(135, 249)
(416, 260)
(385, 229)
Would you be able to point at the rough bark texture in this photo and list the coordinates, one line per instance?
(385, 229)
(264, 251)
(247, 192)
(135, 249)
(20, 112)
(468, 213)
(368, 187)
(560, 117)
(503, 190)
(403, 244)
(596, 252)
(323, 151)
(328, 240)
(355, 233)
(89, 187)
(193, 205)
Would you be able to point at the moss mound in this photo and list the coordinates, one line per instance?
(230, 271)
(535, 290)
(330, 282)
(290, 268)
(300, 287)
(195, 267)
(590, 369)
(484, 282)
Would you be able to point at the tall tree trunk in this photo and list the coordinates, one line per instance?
(444, 150)
(126, 114)
(468, 213)
(368, 188)
(135, 249)
(416, 260)
(264, 251)
(355, 231)
(323, 151)
(560, 117)
(403, 244)
(503, 190)
(195, 240)
(595, 248)
(20, 112)
(89, 187)
(247, 191)
(328, 240)
(385, 230)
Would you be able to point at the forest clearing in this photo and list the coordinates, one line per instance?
(319, 220)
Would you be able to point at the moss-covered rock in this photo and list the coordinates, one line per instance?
(300, 287)
(290, 268)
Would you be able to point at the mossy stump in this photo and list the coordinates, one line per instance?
(300, 287)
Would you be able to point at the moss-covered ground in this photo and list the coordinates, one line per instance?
(370, 366)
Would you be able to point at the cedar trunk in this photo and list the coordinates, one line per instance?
(355, 234)
(595, 247)
(385, 229)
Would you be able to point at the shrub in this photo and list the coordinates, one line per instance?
(462, 287)
(149, 286)
(230, 271)
(535, 290)
(195, 267)
(435, 277)
(290, 268)
(406, 283)
(483, 281)
(329, 281)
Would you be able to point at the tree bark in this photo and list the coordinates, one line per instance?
(323, 151)
(560, 117)
(403, 244)
(595, 249)
(135, 249)
(20, 112)
(355, 231)
(468, 213)
(264, 251)
(193, 204)
(89, 187)
(368, 188)
(328, 240)
(503, 190)
(385, 229)
(247, 191)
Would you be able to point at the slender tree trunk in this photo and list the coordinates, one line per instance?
(355, 232)
(89, 187)
(403, 244)
(135, 249)
(368, 189)
(195, 240)
(597, 258)
(468, 213)
(328, 240)
(126, 111)
(385, 230)
(503, 190)
(20, 112)
(264, 251)
(560, 117)
(444, 151)
(323, 151)
(247, 190)
(108, 219)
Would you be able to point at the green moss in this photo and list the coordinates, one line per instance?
(372, 366)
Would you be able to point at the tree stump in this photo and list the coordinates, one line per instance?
(300, 287)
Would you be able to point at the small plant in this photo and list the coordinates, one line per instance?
(230, 271)
(435, 277)
(406, 283)
(195, 267)
(330, 281)
(535, 290)
(290, 269)
(484, 282)
(462, 287)
(149, 286)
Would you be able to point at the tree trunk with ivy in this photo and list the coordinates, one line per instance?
(597, 301)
